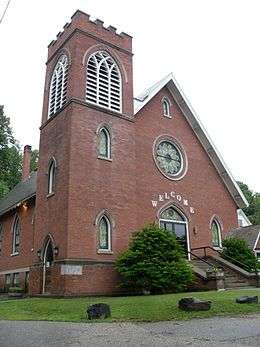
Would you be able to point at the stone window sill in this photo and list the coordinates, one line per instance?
(104, 251)
(14, 254)
(50, 195)
(167, 116)
(104, 158)
(217, 248)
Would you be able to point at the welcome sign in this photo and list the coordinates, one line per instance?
(166, 196)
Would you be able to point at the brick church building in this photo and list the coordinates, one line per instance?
(109, 164)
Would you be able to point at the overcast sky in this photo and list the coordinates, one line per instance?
(211, 46)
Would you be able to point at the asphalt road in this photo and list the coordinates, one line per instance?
(243, 331)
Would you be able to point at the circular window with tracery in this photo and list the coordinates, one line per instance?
(170, 158)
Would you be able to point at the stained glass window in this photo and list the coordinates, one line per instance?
(171, 214)
(16, 235)
(104, 143)
(169, 158)
(216, 236)
(104, 234)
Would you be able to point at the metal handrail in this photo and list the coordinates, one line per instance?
(225, 257)
(204, 261)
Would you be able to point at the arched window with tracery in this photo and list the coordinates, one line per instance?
(51, 176)
(216, 233)
(174, 221)
(103, 81)
(16, 235)
(58, 85)
(104, 234)
(104, 143)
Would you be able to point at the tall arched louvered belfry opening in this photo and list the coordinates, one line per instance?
(58, 86)
(104, 82)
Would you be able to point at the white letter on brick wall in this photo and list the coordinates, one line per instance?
(154, 203)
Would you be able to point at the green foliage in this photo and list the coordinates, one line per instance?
(253, 210)
(15, 290)
(238, 250)
(10, 156)
(34, 160)
(154, 262)
(6, 136)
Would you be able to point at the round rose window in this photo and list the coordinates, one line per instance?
(170, 158)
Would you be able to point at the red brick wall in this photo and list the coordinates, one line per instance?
(52, 211)
(124, 186)
(99, 184)
(81, 191)
(201, 186)
(78, 45)
(24, 258)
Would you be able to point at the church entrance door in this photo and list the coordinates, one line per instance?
(47, 265)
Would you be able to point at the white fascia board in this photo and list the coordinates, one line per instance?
(241, 213)
(256, 241)
(200, 132)
(141, 100)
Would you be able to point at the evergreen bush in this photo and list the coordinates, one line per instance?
(154, 262)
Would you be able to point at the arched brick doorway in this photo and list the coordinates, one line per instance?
(48, 257)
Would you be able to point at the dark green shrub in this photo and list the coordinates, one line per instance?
(154, 262)
(15, 290)
(238, 250)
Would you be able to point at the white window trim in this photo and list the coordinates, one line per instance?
(179, 222)
(60, 72)
(51, 177)
(109, 249)
(166, 100)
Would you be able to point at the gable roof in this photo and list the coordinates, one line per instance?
(250, 234)
(21, 192)
(201, 133)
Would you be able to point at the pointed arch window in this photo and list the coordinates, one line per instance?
(104, 234)
(166, 107)
(1, 237)
(175, 222)
(216, 234)
(16, 235)
(58, 85)
(51, 176)
(103, 81)
(104, 143)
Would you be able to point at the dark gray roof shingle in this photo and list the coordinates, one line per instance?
(20, 192)
(249, 234)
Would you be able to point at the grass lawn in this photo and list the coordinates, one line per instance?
(134, 308)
